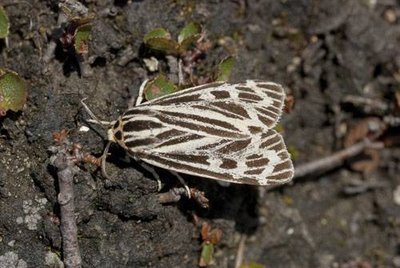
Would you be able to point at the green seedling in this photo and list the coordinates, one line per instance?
(189, 48)
(158, 87)
(82, 35)
(76, 35)
(210, 238)
(225, 69)
(161, 40)
(4, 23)
(13, 92)
(207, 252)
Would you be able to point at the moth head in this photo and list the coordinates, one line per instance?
(115, 132)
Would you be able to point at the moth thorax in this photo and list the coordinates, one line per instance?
(115, 132)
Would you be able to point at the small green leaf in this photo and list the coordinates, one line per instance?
(160, 39)
(167, 46)
(4, 23)
(13, 91)
(158, 87)
(82, 35)
(225, 69)
(157, 33)
(188, 31)
(189, 35)
(206, 256)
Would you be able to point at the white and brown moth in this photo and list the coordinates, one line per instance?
(220, 131)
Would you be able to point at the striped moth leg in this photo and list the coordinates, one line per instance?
(153, 172)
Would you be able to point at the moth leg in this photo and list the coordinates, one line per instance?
(182, 181)
(103, 161)
(153, 172)
(139, 98)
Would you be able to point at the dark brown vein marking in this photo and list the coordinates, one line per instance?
(199, 127)
(141, 142)
(221, 94)
(178, 140)
(174, 98)
(254, 156)
(282, 176)
(169, 134)
(287, 164)
(231, 107)
(248, 96)
(254, 171)
(209, 108)
(276, 88)
(272, 139)
(137, 111)
(179, 99)
(254, 129)
(278, 147)
(228, 164)
(139, 125)
(257, 163)
(234, 146)
(265, 120)
(196, 159)
(207, 120)
(267, 112)
(174, 165)
(211, 145)
(246, 89)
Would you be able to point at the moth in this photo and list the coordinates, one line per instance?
(220, 131)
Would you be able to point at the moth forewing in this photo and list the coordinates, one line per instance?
(220, 131)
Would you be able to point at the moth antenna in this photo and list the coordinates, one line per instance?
(103, 161)
(94, 119)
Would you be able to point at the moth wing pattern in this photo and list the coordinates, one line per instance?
(250, 101)
(258, 160)
(220, 131)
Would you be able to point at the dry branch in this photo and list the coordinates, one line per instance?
(175, 194)
(335, 160)
(64, 163)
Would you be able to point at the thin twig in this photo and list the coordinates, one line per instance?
(66, 170)
(180, 72)
(175, 194)
(334, 160)
(367, 104)
(240, 251)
